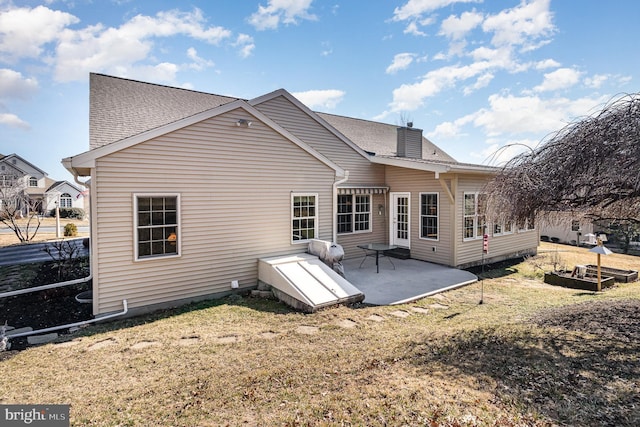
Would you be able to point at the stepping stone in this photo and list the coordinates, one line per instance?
(102, 344)
(376, 318)
(229, 339)
(307, 330)
(144, 344)
(268, 335)
(68, 343)
(188, 340)
(438, 306)
(400, 313)
(347, 324)
(420, 310)
(18, 331)
(41, 339)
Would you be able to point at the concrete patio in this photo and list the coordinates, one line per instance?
(410, 280)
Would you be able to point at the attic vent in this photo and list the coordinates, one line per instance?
(409, 142)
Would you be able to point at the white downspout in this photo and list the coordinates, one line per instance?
(335, 205)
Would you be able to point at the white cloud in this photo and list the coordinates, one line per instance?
(411, 96)
(198, 63)
(482, 81)
(414, 9)
(445, 130)
(521, 25)
(14, 85)
(320, 98)
(562, 78)
(508, 114)
(246, 44)
(281, 11)
(596, 81)
(118, 50)
(457, 27)
(11, 120)
(24, 31)
(547, 63)
(412, 28)
(400, 62)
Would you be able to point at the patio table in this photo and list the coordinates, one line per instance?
(371, 249)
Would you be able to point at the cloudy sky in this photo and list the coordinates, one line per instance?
(475, 75)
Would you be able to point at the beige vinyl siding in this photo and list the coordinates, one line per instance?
(379, 229)
(416, 182)
(469, 252)
(235, 187)
(290, 117)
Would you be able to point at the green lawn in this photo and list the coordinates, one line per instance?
(531, 354)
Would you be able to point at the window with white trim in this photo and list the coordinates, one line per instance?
(304, 217)
(526, 225)
(157, 226)
(33, 181)
(66, 201)
(354, 213)
(473, 226)
(502, 228)
(429, 216)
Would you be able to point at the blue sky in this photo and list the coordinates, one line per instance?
(474, 75)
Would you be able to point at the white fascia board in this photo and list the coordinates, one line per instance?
(408, 164)
(295, 101)
(87, 159)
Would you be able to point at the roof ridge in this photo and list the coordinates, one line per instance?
(166, 86)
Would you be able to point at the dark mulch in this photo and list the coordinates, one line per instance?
(47, 308)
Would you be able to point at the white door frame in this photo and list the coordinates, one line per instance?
(393, 239)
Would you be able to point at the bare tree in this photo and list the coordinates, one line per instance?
(18, 210)
(590, 167)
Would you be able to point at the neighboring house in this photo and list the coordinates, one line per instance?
(64, 193)
(44, 191)
(190, 189)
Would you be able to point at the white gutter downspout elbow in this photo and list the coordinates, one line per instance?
(335, 205)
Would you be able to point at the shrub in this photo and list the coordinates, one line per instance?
(70, 230)
(71, 213)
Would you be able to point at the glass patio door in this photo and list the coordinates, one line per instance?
(400, 224)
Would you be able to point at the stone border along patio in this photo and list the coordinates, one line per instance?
(267, 335)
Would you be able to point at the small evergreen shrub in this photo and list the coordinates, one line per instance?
(70, 230)
(70, 213)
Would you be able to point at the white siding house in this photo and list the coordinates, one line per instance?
(190, 189)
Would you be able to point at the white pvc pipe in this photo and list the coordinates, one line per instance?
(124, 311)
(43, 287)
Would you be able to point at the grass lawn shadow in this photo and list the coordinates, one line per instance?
(554, 367)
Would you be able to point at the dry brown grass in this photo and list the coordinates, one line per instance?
(244, 361)
(8, 239)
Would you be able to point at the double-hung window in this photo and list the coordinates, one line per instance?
(474, 221)
(157, 226)
(429, 216)
(304, 217)
(354, 213)
(33, 181)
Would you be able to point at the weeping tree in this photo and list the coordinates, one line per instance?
(18, 210)
(591, 168)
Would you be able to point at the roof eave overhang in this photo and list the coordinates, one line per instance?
(437, 168)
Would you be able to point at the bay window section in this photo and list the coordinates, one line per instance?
(473, 226)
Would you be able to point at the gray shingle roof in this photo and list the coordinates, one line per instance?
(120, 108)
(379, 138)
